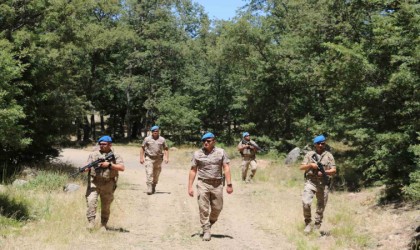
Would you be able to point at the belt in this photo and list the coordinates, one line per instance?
(154, 157)
(210, 180)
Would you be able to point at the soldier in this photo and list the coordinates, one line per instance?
(316, 183)
(248, 148)
(208, 162)
(102, 182)
(153, 151)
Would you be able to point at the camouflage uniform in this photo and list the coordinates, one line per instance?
(248, 159)
(102, 183)
(153, 150)
(209, 185)
(315, 185)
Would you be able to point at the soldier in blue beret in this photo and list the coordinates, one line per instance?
(153, 152)
(316, 182)
(248, 149)
(102, 182)
(209, 162)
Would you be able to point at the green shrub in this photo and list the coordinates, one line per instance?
(14, 207)
(47, 181)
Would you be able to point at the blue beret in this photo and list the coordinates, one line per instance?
(245, 134)
(154, 128)
(319, 138)
(207, 136)
(105, 138)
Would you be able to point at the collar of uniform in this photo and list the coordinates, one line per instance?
(205, 152)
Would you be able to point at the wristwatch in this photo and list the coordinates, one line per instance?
(229, 185)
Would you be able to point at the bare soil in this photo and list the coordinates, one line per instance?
(266, 214)
(169, 219)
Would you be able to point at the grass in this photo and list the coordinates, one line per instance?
(282, 186)
(39, 206)
(41, 214)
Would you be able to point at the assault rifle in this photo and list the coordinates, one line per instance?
(94, 164)
(245, 142)
(321, 168)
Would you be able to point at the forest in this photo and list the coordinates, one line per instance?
(284, 71)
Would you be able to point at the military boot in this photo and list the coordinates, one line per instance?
(317, 226)
(149, 189)
(91, 224)
(207, 235)
(153, 188)
(249, 180)
(307, 228)
(104, 221)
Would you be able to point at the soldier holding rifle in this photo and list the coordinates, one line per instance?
(248, 149)
(319, 166)
(102, 182)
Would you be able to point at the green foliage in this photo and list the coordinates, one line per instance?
(412, 190)
(11, 113)
(349, 70)
(176, 117)
(16, 208)
(47, 181)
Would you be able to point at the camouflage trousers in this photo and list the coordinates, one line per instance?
(246, 163)
(210, 201)
(153, 168)
(314, 187)
(104, 190)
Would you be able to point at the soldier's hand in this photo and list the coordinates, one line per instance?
(141, 161)
(191, 192)
(313, 165)
(166, 161)
(229, 190)
(104, 164)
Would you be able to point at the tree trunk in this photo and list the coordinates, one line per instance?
(102, 124)
(86, 129)
(93, 126)
(79, 130)
(134, 131)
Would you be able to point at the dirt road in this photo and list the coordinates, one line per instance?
(169, 219)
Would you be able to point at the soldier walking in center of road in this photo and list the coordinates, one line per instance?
(209, 162)
(153, 152)
(316, 182)
(248, 149)
(102, 182)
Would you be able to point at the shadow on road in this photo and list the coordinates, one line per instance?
(159, 192)
(117, 229)
(219, 236)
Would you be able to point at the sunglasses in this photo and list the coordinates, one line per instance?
(103, 144)
(321, 143)
(208, 141)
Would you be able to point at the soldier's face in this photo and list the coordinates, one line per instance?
(320, 146)
(208, 144)
(155, 133)
(104, 146)
(247, 138)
